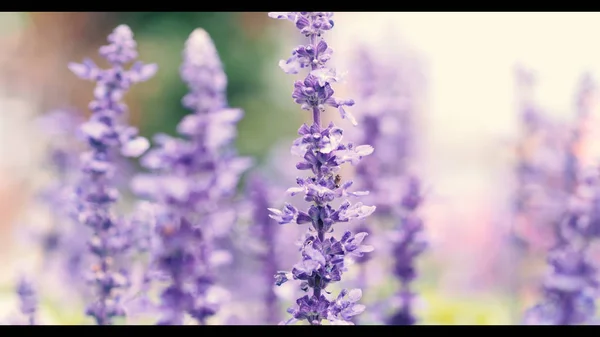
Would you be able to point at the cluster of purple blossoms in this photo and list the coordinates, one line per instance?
(108, 137)
(409, 244)
(540, 170)
(387, 86)
(192, 178)
(28, 300)
(531, 122)
(570, 288)
(573, 154)
(367, 84)
(566, 211)
(388, 93)
(61, 243)
(265, 231)
(387, 115)
(323, 153)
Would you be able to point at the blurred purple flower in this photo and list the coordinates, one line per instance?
(61, 243)
(192, 179)
(583, 101)
(28, 300)
(543, 172)
(323, 152)
(388, 86)
(265, 228)
(105, 133)
(409, 244)
(570, 287)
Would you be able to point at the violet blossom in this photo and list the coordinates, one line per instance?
(569, 289)
(28, 300)
(540, 170)
(108, 137)
(323, 153)
(571, 285)
(583, 101)
(61, 243)
(409, 244)
(193, 177)
(265, 229)
(388, 90)
(388, 86)
(530, 122)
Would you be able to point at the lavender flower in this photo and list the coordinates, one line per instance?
(387, 89)
(409, 244)
(541, 174)
(323, 153)
(61, 243)
(583, 106)
(570, 287)
(28, 299)
(388, 92)
(531, 122)
(107, 135)
(194, 177)
(264, 226)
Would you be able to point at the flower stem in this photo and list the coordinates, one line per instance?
(317, 116)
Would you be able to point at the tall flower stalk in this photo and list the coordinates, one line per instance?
(387, 86)
(28, 300)
(108, 137)
(531, 124)
(322, 154)
(388, 112)
(528, 173)
(540, 171)
(409, 244)
(265, 230)
(569, 290)
(193, 178)
(61, 243)
(583, 104)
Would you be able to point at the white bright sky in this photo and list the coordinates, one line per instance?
(471, 58)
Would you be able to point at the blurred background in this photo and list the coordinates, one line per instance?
(467, 127)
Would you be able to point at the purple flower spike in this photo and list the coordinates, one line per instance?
(108, 137)
(28, 300)
(546, 169)
(322, 152)
(266, 229)
(570, 288)
(583, 106)
(61, 128)
(388, 86)
(315, 92)
(572, 282)
(409, 244)
(192, 181)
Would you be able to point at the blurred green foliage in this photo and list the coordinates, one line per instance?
(246, 58)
